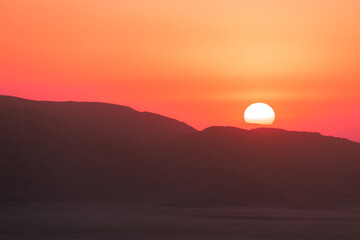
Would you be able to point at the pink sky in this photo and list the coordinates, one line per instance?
(202, 62)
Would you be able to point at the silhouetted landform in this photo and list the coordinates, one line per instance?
(70, 151)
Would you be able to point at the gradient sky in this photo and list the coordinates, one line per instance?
(202, 62)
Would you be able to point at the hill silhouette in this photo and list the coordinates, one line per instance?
(109, 119)
(69, 151)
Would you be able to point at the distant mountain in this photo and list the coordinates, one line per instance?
(52, 151)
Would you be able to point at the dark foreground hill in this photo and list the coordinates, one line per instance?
(51, 151)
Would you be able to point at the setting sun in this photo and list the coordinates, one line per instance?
(259, 113)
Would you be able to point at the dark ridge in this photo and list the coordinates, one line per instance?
(110, 119)
(70, 151)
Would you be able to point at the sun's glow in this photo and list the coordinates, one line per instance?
(259, 113)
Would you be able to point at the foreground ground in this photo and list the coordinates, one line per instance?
(107, 222)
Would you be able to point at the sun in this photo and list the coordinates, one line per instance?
(259, 113)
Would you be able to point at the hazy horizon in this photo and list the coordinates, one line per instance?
(244, 125)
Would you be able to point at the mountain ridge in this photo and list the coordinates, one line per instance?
(103, 117)
(46, 155)
(256, 129)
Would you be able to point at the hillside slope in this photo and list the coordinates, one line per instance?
(100, 152)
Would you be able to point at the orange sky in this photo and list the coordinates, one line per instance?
(201, 62)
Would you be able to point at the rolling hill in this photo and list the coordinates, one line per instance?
(70, 151)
